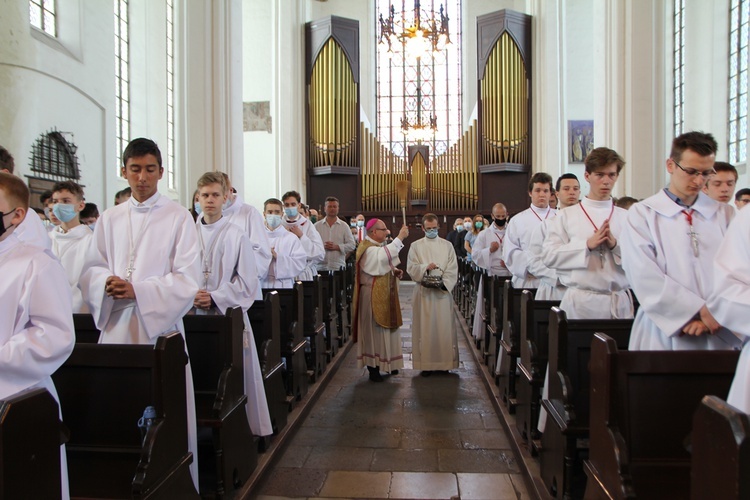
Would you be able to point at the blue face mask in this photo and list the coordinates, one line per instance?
(273, 220)
(92, 225)
(197, 207)
(64, 212)
(227, 203)
(354, 223)
(361, 223)
(431, 233)
(291, 212)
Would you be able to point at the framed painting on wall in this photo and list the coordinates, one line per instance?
(580, 139)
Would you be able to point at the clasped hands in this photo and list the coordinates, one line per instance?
(603, 235)
(703, 323)
(118, 288)
(202, 300)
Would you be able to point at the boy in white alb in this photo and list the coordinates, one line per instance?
(230, 280)
(582, 245)
(71, 239)
(668, 250)
(521, 226)
(308, 236)
(289, 258)
(36, 319)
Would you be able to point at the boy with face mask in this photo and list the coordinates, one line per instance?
(300, 226)
(288, 256)
(70, 239)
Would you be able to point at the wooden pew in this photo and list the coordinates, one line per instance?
(511, 343)
(227, 449)
(565, 437)
(103, 390)
(30, 446)
(86, 330)
(720, 452)
(494, 330)
(485, 281)
(265, 320)
(329, 285)
(350, 280)
(642, 407)
(313, 327)
(532, 364)
(343, 325)
(292, 341)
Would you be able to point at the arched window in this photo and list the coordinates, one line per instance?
(53, 157)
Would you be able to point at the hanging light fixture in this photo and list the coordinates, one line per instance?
(418, 38)
(419, 131)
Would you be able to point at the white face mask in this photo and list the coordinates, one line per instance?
(273, 220)
(467, 225)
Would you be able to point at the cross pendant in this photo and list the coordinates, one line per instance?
(694, 240)
(601, 256)
(129, 272)
(205, 279)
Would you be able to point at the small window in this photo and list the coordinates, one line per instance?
(42, 16)
(679, 66)
(738, 47)
(122, 79)
(53, 157)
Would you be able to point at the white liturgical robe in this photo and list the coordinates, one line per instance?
(230, 276)
(32, 231)
(156, 243)
(250, 220)
(36, 322)
(434, 340)
(597, 286)
(730, 300)
(290, 260)
(311, 242)
(71, 248)
(492, 262)
(516, 242)
(670, 281)
(549, 287)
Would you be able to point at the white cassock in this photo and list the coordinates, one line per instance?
(165, 271)
(31, 230)
(311, 242)
(549, 287)
(517, 241)
(36, 322)
(597, 286)
(227, 254)
(71, 249)
(730, 300)
(434, 340)
(492, 262)
(247, 218)
(290, 261)
(670, 281)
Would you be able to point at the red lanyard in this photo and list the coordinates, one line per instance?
(589, 218)
(537, 215)
(689, 216)
(499, 238)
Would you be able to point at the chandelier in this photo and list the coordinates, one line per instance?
(418, 132)
(420, 38)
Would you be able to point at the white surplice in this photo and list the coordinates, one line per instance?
(434, 339)
(377, 347)
(597, 286)
(165, 279)
(311, 242)
(549, 287)
(671, 283)
(32, 231)
(516, 243)
(492, 262)
(36, 322)
(233, 282)
(290, 260)
(340, 234)
(71, 249)
(250, 220)
(730, 300)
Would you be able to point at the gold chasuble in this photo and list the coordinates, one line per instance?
(386, 308)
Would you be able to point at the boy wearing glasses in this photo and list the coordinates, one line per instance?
(668, 250)
(583, 246)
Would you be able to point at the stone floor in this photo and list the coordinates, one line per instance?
(409, 437)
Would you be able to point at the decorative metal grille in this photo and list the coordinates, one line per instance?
(122, 79)
(739, 16)
(42, 16)
(53, 157)
(420, 89)
(678, 70)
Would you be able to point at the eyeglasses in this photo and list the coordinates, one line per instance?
(694, 172)
(380, 229)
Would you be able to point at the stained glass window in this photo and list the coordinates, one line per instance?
(738, 52)
(679, 66)
(122, 78)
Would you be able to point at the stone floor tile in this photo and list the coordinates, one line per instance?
(519, 483)
(348, 484)
(339, 458)
(405, 460)
(293, 482)
(434, 485)
(492, 421)
(429, 440)
(481, 439)
(476, 461)
(294, 456)
(473, 486)
(273, 497)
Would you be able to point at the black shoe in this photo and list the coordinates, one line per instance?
(394, 372)
(375, 375)
(426, 373)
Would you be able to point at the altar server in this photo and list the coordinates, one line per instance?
(289, 258)
(302, 228)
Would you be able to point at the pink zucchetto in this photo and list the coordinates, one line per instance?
(370, 223)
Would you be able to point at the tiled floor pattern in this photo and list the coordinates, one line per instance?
(409, 437)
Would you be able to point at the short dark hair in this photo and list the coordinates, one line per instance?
(89, 210)
(563, 177)
(45, 196)
(430, 217)
(698, 142)
(141, 147)
(291, 194)
(332, 198)
(722, 166)
(15, 190)
(6, 160)
(602, 157)
(540, 178)
(740, 193)
(625, 202)
(70, 186)
(272, 201)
